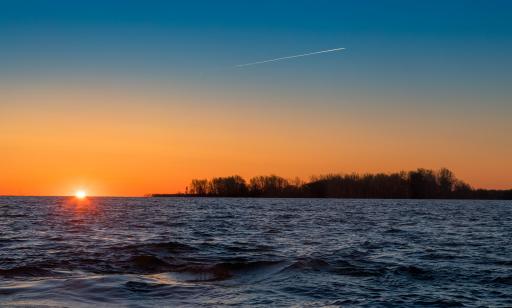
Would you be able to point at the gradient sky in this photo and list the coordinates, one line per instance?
(135, 97)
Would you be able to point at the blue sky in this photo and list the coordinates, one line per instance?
(395, 40)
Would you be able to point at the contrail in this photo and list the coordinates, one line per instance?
(290, 57)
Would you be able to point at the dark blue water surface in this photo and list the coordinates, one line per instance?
(145, 252)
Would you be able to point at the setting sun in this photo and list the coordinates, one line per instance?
(80, 194)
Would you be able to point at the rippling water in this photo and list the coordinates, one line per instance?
(145, 252)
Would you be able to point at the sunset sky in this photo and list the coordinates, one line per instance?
(135, 97)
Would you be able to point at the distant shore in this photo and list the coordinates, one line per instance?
(416, 184)
(507, 197)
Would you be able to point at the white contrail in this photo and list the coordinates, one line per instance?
(290, 57)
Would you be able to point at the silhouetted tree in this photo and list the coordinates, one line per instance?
(231, 186)
(268, 186)
(421, 183)
(199, 187)
(461, 190)
(445, 180)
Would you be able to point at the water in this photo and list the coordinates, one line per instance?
(145, 252)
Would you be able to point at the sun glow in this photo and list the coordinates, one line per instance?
(80, 194)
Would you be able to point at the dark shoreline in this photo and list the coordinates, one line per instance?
(415, 184)
(507, 197)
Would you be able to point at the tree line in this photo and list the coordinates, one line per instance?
(417, 184)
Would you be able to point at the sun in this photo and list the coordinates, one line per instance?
(80, 194)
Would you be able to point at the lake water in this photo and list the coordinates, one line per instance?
(145, 252)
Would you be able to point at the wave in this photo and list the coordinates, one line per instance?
(245, 270)
(26, 271)
(507, 280)
(171, 247)
(314, 264)
(359, 269)
(149, 263)
(414, 272)
(440, 303)
(234, 269)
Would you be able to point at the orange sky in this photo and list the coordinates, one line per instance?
(55, 139)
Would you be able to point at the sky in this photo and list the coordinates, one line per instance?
(134, 97)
